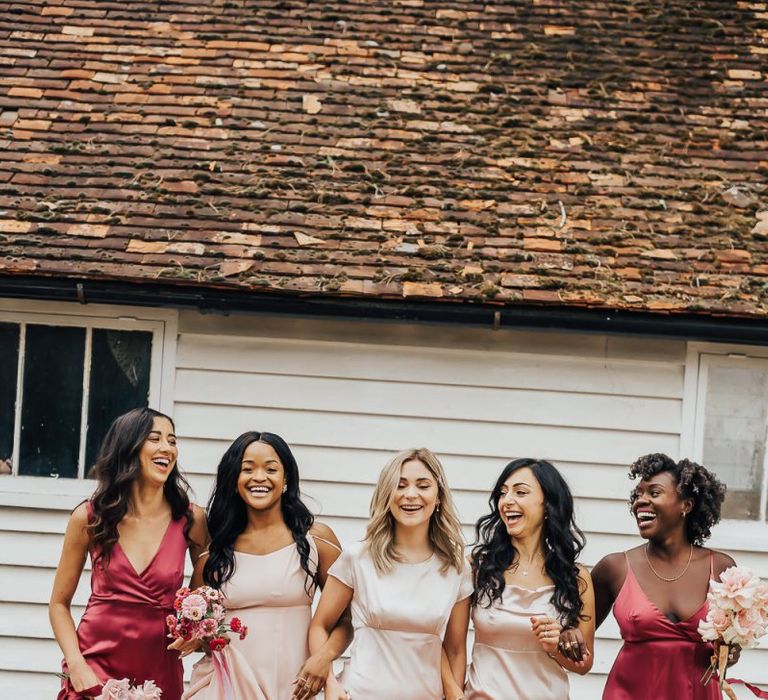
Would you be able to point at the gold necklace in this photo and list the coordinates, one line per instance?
(664, 578)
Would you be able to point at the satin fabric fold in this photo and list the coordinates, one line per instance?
(399, 619)
(224, 675)
(507, 660)
(659, 658)
(122, 633)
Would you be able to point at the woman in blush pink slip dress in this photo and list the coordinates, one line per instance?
(268, 557)
(658, 590)
(137, 528)
(527, 585)
(408, 589)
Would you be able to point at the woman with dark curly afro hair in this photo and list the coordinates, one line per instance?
(658, 590)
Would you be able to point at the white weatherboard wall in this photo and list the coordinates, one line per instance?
(346, 396)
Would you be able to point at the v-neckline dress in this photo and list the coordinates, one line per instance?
(660, 658)
(122, 633)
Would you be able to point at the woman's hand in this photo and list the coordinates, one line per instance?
(81, 675)
(311, 679)
(334, 691)
(572, 645)
(186, 646)
(734, 654)
(547, 629)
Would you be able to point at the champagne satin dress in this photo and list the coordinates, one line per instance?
(399, 619)
(122, 633)
(508, 662)
(270, 594)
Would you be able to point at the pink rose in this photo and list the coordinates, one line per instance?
(737, 589)
(747, 628)
(194, 607)
(147, 691)
(116, 690)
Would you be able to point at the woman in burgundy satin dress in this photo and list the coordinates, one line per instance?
(137, 528)
(658, 591)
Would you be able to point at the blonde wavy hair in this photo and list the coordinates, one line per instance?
(444, 526)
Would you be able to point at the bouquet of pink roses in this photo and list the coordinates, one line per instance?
(123, 690)
(738, 615)
(200, 615)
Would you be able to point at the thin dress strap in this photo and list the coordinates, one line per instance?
(332, 544)
(711, 565)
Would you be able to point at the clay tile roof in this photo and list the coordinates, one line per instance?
(568, 152)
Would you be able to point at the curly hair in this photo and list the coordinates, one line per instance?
(693, 481)
(494, 551)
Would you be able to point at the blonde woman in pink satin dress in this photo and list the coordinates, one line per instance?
(268, 557)
(527, 587)
(408, 588)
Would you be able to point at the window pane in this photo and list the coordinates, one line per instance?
(119, 381)
(9, 362)
(52, 400)
(735, 435)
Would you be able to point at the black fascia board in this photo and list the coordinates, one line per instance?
(703, 327)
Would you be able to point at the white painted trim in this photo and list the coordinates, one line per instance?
(736, 534)
(84, 402)
(162, 323)
(107, 311)
(16, 449)
(166, 397)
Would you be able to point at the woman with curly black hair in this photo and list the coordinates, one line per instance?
(267, 556)
(658, 590)
(528, 586)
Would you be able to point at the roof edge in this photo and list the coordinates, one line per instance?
(543, 317)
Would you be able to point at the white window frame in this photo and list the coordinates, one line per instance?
(730, 534)
(37, 491)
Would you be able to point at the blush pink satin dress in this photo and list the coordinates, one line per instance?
(507, 659)
(399, 619)
(269, 594)
(659, 658)
(122, 633)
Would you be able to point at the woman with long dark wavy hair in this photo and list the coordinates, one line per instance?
(267, 556)
(137, 528)
(528, 586)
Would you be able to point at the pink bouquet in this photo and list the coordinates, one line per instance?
(200, 615)
(123, 690)
(738, 615)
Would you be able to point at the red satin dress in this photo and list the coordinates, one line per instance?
(122, 633)
(660, 658)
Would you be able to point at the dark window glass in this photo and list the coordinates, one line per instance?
(51, 405)
(119, 381)
(9, 362)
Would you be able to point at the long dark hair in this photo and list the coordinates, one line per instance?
(494, 551)
(227, 514)
(116, 467)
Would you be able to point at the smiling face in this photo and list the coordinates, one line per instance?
(262, 476)
(158, 453)
(521, 503)
(416, 495)
(657, 506)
